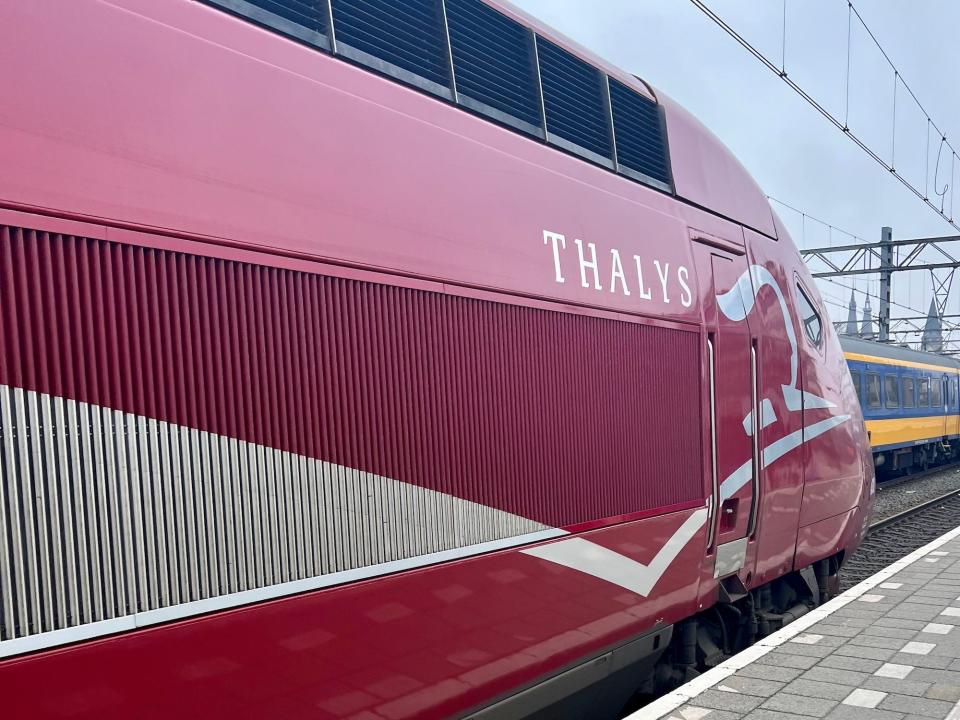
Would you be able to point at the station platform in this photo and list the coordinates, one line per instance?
(886, 649)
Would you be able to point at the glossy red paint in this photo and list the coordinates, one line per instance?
(726, 187)
(833, 466)
(782, 482)
(718, 271)
(826, 537)
(422, 644)
(188, 199)
(825, 477)
(141, 162)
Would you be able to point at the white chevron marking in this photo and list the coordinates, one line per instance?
(588, 557)
(776, 450)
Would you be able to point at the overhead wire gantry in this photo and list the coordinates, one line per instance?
(886, 257)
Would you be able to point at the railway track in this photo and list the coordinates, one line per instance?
(890, 538)
(914, 476)
(917, 509)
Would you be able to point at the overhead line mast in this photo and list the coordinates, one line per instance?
(878, 259)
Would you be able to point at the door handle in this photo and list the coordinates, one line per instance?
(715, 483)
(755, 427)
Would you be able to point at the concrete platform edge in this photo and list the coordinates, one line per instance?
(671, 701)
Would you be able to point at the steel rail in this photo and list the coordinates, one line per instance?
(918, 508)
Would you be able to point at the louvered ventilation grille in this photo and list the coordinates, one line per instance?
(493, 60)
(636, 122)
(575, 99)
(303, 19)
(494, 67)
(311, 15)
(175, 427)
(407, 34)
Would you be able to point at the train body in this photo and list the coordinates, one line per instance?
(909, 401)
(390, 360)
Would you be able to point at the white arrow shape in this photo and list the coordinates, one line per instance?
(588, 557)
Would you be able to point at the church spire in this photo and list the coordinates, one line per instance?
(866, 325)
(851, 328)
(932, 340)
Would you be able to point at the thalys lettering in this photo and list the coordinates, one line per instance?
(625, 277)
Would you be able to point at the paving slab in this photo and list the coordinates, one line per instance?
(887, 649)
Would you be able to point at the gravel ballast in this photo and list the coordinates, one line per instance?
(899, 495)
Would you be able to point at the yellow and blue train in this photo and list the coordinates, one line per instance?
(910, 404)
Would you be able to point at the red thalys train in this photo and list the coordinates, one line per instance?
(376, 359)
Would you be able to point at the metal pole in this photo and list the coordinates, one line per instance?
(886, 263)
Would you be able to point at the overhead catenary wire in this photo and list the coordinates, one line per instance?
(865, 293)
(843, 125)
(805, 215)
(831, 228)
(946, 325)
(946, 205)
(899, 76)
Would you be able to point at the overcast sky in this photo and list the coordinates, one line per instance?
(794, 153)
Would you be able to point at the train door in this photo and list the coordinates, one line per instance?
(938, 401)
(942, 405)
(726, 302)
(951, 407)
(780, 382)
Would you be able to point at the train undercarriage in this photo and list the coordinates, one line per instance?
(898, 462)
(740, 619)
